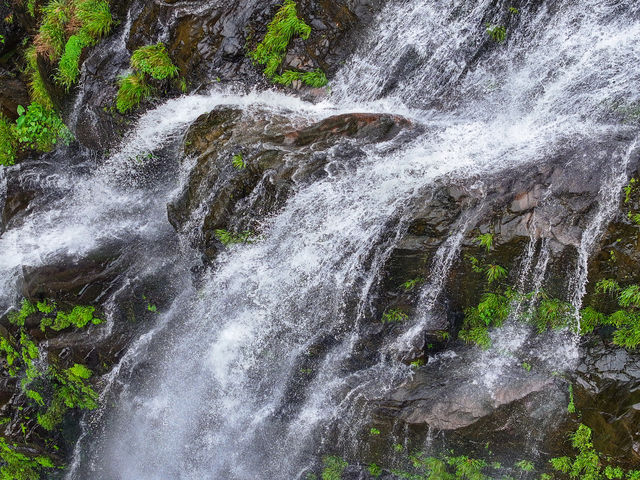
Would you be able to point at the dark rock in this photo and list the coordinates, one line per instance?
(607, 394)
(278, 157)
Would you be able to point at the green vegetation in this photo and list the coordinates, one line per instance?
(495, 272)
(154, 61)
(315, 79)
(133, 89)
(51, 36)
(527, 366)
(37, 86)
(588, 463)
(497, 33)
(149, 61)
(50, 389)
(374, 431)
(374, 470)
(284, 26)
(333, 468)
(228, 238)
(238, 162)
(69, 66)
(485, 240)
(394, 315)
(411, 284)
(20, 466)
(273, 48)
(39, 128)
(514, 10)
(525, 465)
(8, 142)
(571, 407)
(53, 317)
(626, 320)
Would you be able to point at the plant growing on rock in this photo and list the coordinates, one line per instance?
(333, 468)
(238, 162)
(19, 465)
(148, 61)
(8, 142)
(154, 61)
(229, 238)
(588, 462)
(39, 128)
(133, 89)
(497, 33)
(394, 315)
(485, 240)
(272, 50)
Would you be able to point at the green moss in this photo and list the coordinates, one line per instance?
(273, 48)
(26, 308)
(154, 61)
(133, 89)
(79, 317)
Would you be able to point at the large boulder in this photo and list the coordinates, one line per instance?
(278, 156)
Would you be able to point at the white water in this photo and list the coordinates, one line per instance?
(226, 358)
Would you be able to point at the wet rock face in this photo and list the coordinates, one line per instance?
(278, 158)
(451, 395)
(607, 393)
(209, 43)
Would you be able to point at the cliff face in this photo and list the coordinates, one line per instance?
(366, 276)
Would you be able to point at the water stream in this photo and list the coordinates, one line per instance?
(207, 392)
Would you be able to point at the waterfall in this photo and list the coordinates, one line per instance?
(254, 371)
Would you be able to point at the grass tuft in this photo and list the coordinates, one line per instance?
(273, 48)
(133, 89)
(153, 60)
(8, 142)
(51, 36)
(95, 17)
(69, 66)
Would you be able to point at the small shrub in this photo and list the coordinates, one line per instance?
(497, 33)
(95, 17)
(495, 272)
(228, 238)
(525, 465)
(37, 86)
(527, 366)
(485, 240)
(411, 284)
(375, 470)
(333, 468)
(40, 128)
(374, 431)
(133, 89)
(51, 36)
(20, 466)
(394, 315)
(238, 162)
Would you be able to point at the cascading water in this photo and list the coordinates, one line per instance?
(250, 372)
